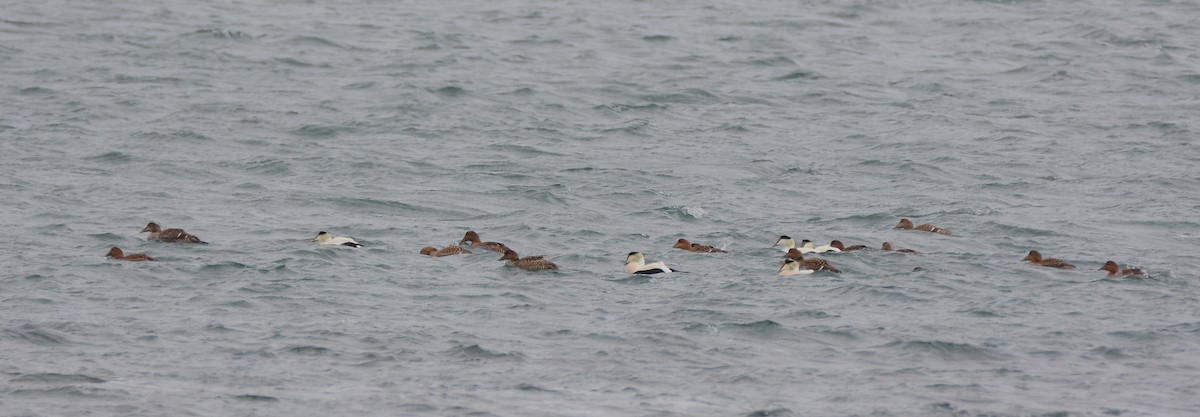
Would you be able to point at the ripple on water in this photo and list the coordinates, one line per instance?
(31, 333)
(51, 378)
(944, 350)
(474, 353)
(774, 412)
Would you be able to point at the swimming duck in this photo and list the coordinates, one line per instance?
(806, 246)
(908, 225)
(887, 246)
(169, 235)
(1036, 258)
(473, 238)
(1115, 271)
(528, 263)
(814, 264)
(838, 244)
(696, 247)
(328, 239)
(791, 267)
(785, 242)
(635, 263)
(116, 253)
(446, 251)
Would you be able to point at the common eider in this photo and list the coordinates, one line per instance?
(838, 244)
(528, 263)
(814, 264)
(325, 238)
(791, 267)
(115, 253)
(696, 247)
(473, 238)
(446, 251)
(169, 235)
(635, 263)
(907, 224)
(1115, 271)
(887, 246)
(1035, 258)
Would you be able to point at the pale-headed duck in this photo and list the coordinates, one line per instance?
(791, 267)
(635, 263)
(325, 238)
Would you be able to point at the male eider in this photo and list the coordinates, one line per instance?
(446, 251)
(473, 238)
(696, 247)
(907, 224)
(791, 267)
(169, 235)
(785, 243)
(528, 263)
(1115, 270)
(116, 253)
(1035, 258)
(325, 238)
(806, 246)
(635, 263)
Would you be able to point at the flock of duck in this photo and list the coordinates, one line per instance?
(635, 262)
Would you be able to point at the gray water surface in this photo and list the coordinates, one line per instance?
(582, 131)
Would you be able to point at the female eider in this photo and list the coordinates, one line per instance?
(887, 246)
(325, 238)
(696, 247)
(907, 224)
(841, 247)
(1035, 258)
(473, 238)
(1115, 271)
(528, 263)
(169, 235)
(115, 253)
(635, 263)
(446, 251)
(791, 267)
(814, 264)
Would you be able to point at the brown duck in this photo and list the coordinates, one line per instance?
(169, 235)
(814, 264)
(838, 244)
(116, 253)
(528, 263)
(1036, 258)
(696, 247)
(908, 225)
(446, 251)
(473, 238)
(1115, 271)
(887, 246)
